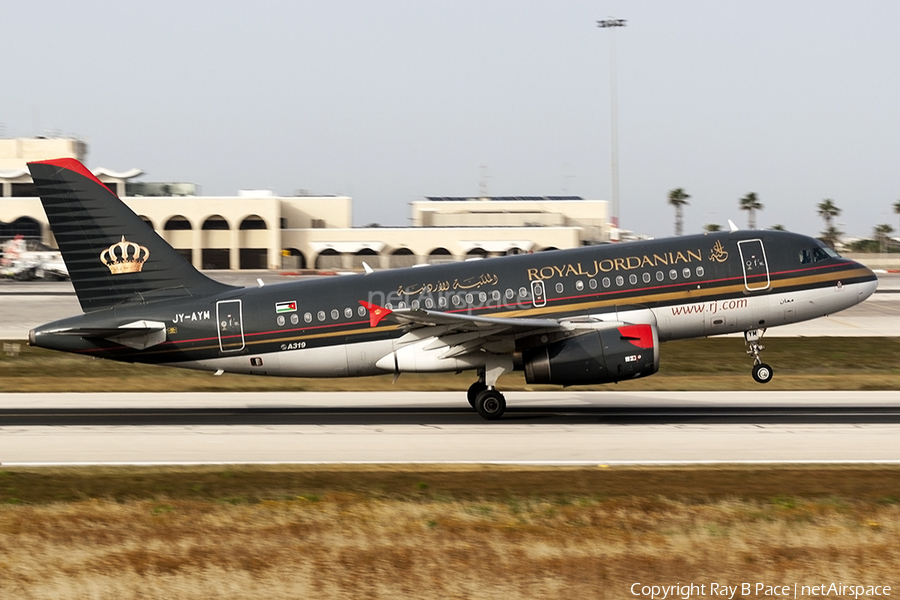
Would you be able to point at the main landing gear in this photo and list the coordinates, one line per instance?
(482, 395)
(489, 403)
(762, 372)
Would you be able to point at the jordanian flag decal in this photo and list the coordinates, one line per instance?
(282, 307)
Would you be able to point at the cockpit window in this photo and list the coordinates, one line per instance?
(816, 254)
(820, 254)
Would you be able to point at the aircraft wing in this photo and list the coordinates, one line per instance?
(433, 318)
(417, 317)
(459, 333)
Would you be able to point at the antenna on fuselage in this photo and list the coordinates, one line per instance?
(732, 226)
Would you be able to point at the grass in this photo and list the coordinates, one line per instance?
(705, 364)
(469, 532)
(455, 532)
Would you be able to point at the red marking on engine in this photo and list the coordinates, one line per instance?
(639, 335)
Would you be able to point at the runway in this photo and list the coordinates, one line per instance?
(561, 427)
(540, 428)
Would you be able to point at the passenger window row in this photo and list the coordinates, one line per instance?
(457, 300)
(320, 316)
(646, 277)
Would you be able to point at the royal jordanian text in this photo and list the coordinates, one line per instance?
(625, 263)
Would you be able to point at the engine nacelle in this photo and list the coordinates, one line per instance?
(603, 356)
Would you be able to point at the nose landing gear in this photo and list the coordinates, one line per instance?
(761, 372)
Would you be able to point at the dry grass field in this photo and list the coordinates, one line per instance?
(704, 364)
(464, 532)
(426, 532)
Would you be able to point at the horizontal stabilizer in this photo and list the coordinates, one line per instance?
(139, 335)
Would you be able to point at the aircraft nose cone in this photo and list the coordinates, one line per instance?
(869, 285)
(868, 288)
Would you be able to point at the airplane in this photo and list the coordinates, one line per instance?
(588, 315)
(26, 260)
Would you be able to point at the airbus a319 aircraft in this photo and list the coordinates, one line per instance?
(568, 317)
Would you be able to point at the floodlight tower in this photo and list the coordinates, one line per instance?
(611, 24)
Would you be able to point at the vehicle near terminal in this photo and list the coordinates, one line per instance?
(29, 260)
(569, 317)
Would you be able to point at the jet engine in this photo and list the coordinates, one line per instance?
(599, 356)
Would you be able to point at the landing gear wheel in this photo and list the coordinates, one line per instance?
(475, 389)
(762, 373)
(490, 404)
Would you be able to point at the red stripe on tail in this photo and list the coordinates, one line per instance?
(71, 164)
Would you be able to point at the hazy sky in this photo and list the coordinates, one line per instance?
(393, 100)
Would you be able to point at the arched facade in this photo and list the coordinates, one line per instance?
(402, 257)
(215, 223)
(27, 227)
(292, 259)
(365, 255)
(253, 242)
(253, 222)
(439, 255)
(251, 229)
(262, 231)
(177, 223)
(329, 259)
(178, 231)
(216, 243)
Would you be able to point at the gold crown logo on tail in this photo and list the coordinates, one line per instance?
(124, 257)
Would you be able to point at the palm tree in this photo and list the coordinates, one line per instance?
(828, 211)
(678, 199)
(882, 232)
(712, 227)
(751, 205)
(897, 207)
(778, 227)
(831, 235)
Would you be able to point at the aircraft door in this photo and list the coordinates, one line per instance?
(230, 325)
(538, 295)
(753, 261)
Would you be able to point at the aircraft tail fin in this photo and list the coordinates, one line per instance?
(112, 255)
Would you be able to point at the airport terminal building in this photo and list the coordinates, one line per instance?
(257, 229)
